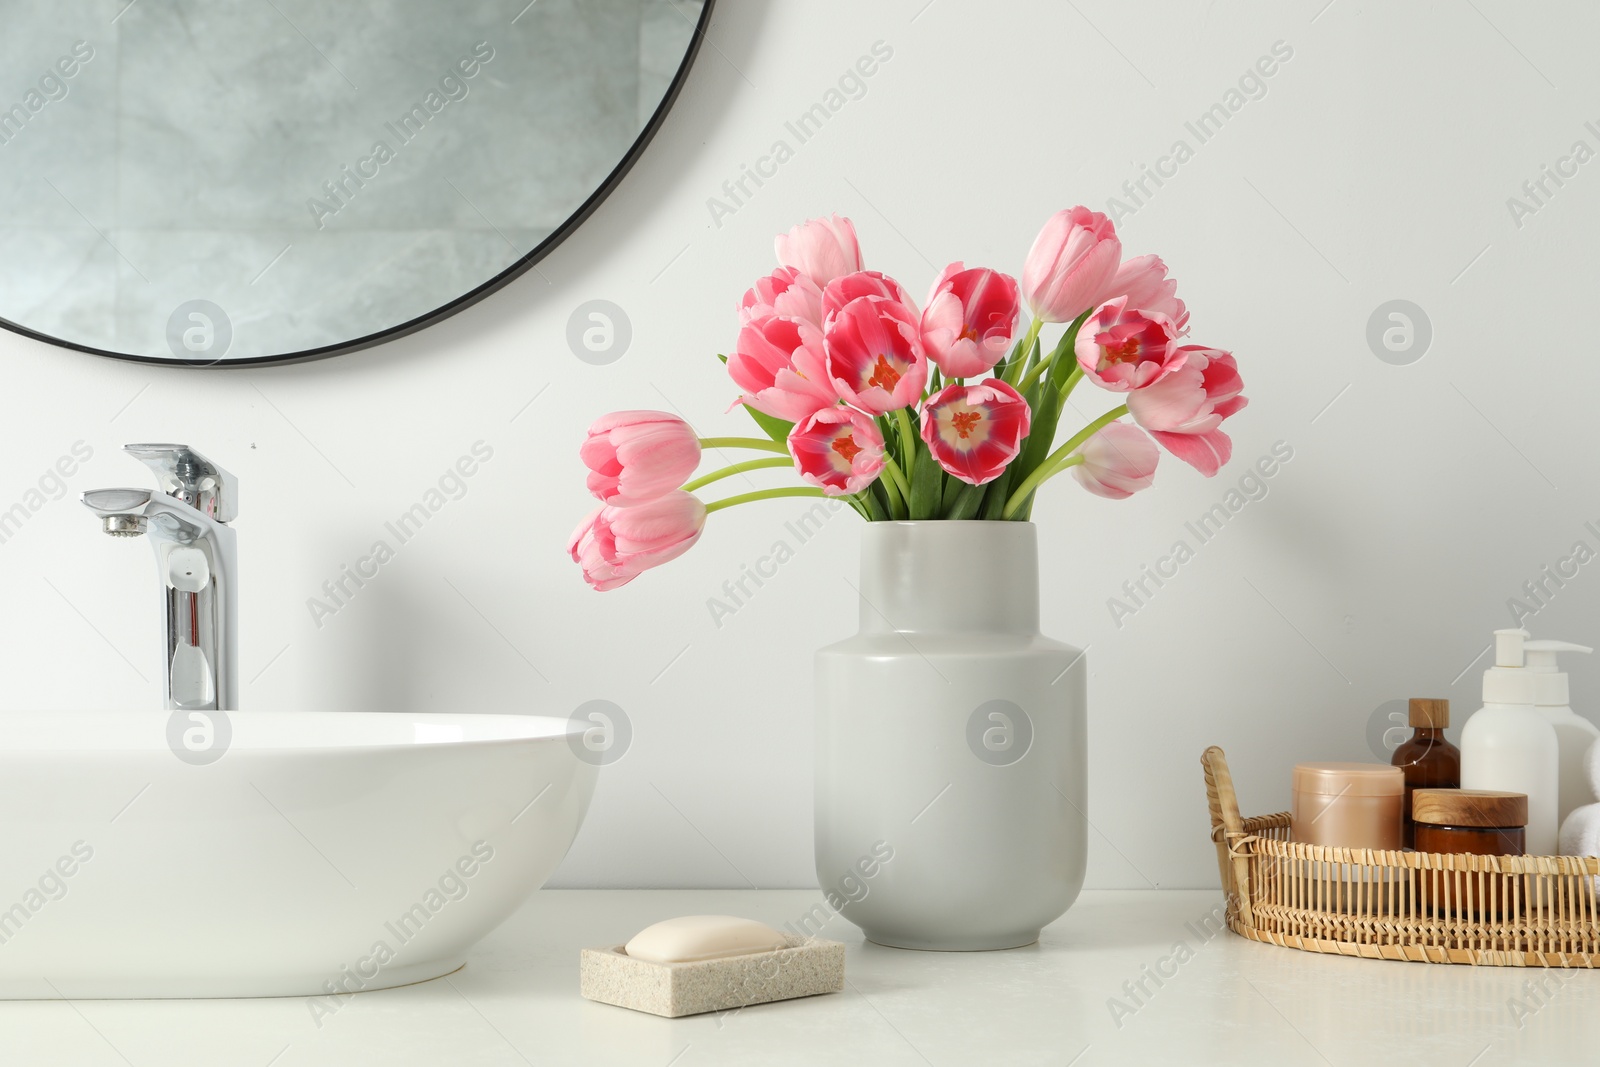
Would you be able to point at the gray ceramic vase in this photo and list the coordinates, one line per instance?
(951, 739)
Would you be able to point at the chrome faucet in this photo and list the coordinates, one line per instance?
(197, 562)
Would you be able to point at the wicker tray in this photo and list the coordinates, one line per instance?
(1507, 911)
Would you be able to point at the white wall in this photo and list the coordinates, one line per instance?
(1376, 167)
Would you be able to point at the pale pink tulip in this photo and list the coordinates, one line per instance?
(615, 545)
(1118, 461)
(1185, 410)
(839, 449)
(1070, 264)
(1143, 281)
(636, 456)
(781, 365)
(585, 551)
(848, 287)
(973, 431)
(785, 292)
(969, 320)
(821, 248)
(1123, 349)
(875, 357)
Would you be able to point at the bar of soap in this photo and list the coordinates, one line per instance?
(803, 967)
(692, 938)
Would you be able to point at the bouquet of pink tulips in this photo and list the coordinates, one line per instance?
(939, 414)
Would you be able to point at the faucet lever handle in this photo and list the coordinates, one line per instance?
(185, 474)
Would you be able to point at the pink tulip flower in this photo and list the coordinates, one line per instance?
(848, 287)
(874, 354)
(781, 365)
(615, 545)
(585, 552)
(785, 292)
(1117, 462)
(821, 248)
(635, 456)
(970, 318)
(838, 449)
(1185, 410)
(973, 431)
(1070, 264)
(1143, 281)
(1123, 349)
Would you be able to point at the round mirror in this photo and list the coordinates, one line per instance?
(229, 182)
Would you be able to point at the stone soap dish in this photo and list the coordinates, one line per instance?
(804, 968)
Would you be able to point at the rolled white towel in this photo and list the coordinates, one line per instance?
(1580, 834)
(1591, 766)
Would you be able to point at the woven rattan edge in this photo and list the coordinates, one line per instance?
(1418, 953)
(1419, 861)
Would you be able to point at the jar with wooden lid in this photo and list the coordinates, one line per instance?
(1477, 821)
(1480, 821)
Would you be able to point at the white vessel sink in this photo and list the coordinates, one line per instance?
(321, 853)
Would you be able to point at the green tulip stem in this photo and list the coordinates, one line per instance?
(737, 468)
(908, 445)
(1065, 348)
(1053, 465)
(1067, 387)
(759, 443)
(897, 481)
(1014, 371)
(764, 494)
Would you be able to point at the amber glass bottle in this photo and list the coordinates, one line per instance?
(1426, 758)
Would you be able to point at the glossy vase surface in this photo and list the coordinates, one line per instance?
(951, 791)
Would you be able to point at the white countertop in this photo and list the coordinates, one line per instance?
(1228, 1001)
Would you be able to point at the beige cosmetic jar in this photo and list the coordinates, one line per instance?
(1348, 805)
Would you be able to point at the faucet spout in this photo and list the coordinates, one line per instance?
(121, 510)
(196, 563)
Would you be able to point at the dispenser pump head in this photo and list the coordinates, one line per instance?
(1508, 681)
(1508, 646)
(1550, 682)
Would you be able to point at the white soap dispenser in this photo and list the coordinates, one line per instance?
(1507, 745)
(1574, 734)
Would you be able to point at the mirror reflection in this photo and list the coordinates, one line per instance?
(240, 181)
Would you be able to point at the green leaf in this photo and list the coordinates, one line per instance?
(924, 503)
(1044, 400)
(1032, 360)
(1066, 360)
(878, 498)
(967, 501)
(722, 357)
(1011, 358)
(1032, 396)
(1041, 433)
(994, 501)
(774, 428)
(891, 440)
(952, 491)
